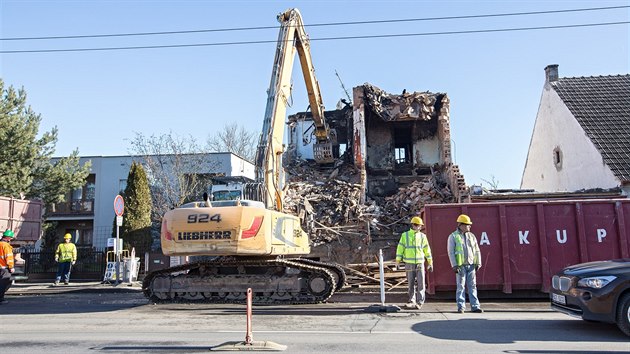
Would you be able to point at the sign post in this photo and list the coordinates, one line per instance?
(119, 208)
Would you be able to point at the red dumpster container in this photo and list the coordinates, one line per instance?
(524, 243)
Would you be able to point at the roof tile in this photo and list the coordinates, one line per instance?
(601, 105)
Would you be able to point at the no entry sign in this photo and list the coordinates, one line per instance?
(119, 205)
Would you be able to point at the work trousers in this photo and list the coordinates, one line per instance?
(415, 280)
(466, 277)
(5, 282)
(64, 270)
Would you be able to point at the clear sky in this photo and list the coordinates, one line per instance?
(98, 99)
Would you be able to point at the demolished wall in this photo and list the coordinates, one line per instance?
(395, 158)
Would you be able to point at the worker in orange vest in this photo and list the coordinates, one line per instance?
(7, 263)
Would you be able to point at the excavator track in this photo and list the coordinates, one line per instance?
(274, 281)
(336, 270)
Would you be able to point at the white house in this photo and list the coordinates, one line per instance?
(88, 213)
(581, 138)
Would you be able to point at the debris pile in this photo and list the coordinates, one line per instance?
(330, 206)
(409, 105)
(412, 198)
(368, 274)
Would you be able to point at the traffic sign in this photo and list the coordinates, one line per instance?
(119, 205)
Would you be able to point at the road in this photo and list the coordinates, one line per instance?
(127, 323)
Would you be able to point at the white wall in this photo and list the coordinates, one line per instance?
(427, 151)
(582, 165)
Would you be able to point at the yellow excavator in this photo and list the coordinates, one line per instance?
(252, 243)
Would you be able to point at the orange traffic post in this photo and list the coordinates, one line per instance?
(249, 344)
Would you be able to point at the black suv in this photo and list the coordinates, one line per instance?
(594, 291)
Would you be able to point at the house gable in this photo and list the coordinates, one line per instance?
(561, 155)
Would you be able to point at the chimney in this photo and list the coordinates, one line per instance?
(551, 73)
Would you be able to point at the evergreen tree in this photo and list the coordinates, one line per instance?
(25, 165)
(136, 228)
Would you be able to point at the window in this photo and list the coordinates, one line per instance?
(401, 155)
(557, 158)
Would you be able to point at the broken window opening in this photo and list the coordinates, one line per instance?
(401, 155)
(403, 144)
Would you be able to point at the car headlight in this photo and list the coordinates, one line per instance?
(596, 282)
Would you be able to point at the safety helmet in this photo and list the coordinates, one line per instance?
(8, 233)
(67, 236)
(464, 219)
(416, 220)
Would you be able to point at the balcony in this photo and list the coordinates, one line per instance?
(74, 207)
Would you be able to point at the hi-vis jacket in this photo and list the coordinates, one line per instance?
(6, 255)
(413, 248)
(66, 252)
(463, 249)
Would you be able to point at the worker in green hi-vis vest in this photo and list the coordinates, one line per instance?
(465, 257)
(66, 255)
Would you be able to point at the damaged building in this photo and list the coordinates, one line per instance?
(393, 156)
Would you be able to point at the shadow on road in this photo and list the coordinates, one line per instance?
(70, 303)
(511, 331)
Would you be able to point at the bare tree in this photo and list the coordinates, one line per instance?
(175, 169)
(493, 182)
(235, 139)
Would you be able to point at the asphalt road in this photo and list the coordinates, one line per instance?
(124, 322)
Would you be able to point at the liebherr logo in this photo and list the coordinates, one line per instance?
(204, 235)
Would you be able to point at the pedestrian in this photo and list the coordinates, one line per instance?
(413, 249)
(66, 255)
(7, 263)
(465, 257)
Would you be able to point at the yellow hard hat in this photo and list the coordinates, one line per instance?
(464, 219)
(416, 220)
(67, 236)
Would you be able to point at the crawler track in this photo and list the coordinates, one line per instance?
(274, 281)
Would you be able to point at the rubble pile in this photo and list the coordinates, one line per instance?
(409, 105)
(328, 209)
(412, 198)
(329, 202)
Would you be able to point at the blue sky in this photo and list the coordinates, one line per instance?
(494, 80)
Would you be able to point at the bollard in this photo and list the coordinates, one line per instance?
(382, 273)
(248, 335)
(382, 307)
(249, 344)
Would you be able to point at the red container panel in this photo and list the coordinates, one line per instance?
(24, 217)
(524, 243)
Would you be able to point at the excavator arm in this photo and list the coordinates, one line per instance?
(291, 38)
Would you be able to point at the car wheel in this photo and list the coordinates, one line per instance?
(623, 314)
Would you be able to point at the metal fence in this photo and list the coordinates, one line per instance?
(41, 265)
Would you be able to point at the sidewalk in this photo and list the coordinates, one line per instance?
(337, 300)
(21, 288)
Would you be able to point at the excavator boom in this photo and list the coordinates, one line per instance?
(241, 244)
(292, 38)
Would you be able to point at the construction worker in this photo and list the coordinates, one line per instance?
(465, 257)
(7, 263)
(413, 249)
(66, 255)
